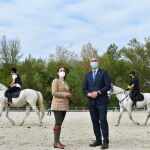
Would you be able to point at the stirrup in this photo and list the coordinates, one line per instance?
(9, 103)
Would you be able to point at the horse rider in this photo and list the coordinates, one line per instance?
(14, 86)
(134, 86)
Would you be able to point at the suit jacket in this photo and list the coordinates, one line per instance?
(59, 90)
(102, 83)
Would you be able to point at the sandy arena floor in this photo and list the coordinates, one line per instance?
(76, 134)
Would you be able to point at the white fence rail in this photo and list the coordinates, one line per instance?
(78, 109)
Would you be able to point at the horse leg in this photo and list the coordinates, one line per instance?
(7, 115)
(130, 116)
(1, 109)
(148, 114)
(38, 114)
(120, 115)
(26, 115)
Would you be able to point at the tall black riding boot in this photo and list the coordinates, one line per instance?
(134, 103)
(9, 99)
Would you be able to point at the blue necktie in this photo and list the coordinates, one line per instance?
(94, 75)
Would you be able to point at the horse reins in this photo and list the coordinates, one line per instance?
(123, 98)
(118, 93)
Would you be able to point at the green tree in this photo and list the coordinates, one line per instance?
(10, 51)
(88, 52)
(139, 56)
(9, 57)
(64, 54)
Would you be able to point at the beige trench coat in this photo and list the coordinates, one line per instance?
(59, 91)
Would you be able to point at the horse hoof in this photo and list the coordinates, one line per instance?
(40, 124)
(137, 124)
(117, 124)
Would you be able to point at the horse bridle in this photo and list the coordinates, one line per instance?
(120, 93)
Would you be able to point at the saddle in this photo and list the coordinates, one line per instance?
(14, 94)
(139, 97)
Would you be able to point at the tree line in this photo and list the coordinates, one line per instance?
(38, 73)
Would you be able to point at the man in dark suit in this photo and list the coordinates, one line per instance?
(97, 83)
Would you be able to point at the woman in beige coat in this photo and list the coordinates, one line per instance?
(59, 106)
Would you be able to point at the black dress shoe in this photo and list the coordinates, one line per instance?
(96, 143)
(104, 146)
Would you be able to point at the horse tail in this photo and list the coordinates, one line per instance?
(42, 109)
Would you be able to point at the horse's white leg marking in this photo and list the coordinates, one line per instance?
(38, 114)
(7, 115)
(120, 115)
(130, 116)
(26, 115)
(1, 108)
(148, 114)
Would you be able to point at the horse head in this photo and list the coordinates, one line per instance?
(111, 91)
(115, 90)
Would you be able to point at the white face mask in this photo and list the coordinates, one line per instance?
(62, 74)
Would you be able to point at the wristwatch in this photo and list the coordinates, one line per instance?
(99, 92)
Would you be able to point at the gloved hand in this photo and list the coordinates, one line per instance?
(127, 89)
(9, 87)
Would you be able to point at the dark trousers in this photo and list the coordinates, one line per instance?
(99, 119)
(133, 95)
(59, 117)
(9, 91)
(49, 111)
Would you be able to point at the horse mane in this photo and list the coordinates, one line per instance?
(118, 89)
(2, 87)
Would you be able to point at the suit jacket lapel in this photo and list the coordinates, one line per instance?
(92, 76)
(98, 73)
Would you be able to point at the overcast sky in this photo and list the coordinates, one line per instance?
(41, 25)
